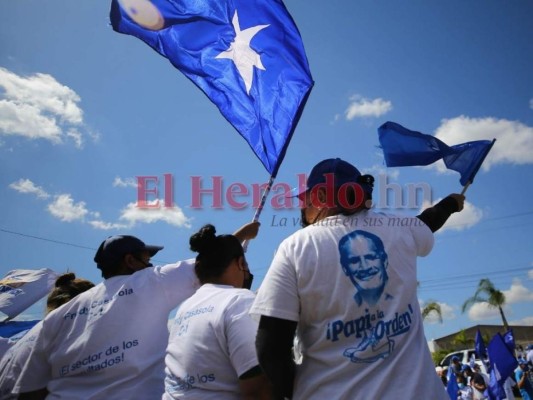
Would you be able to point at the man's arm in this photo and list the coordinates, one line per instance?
(254, 385)
(435, 217)
(274, 342)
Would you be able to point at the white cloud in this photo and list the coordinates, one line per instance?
(530, 274)
(39, 107)
(173, 216)
(27, 186)
(64, 208)
(514, 140)
(517, 293)
(531, 104)
(481, 311)
(468, 217)
(106, 226)
(527, 321)
(361, 107)
(128, 182)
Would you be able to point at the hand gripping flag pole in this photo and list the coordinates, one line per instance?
(403, 147)
(247, 56)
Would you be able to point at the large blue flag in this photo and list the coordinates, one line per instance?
(246, 55)
(403, 147)
(508, 338)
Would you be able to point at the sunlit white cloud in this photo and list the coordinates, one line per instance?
(379, 170)
(64, 208)
(527, 321)
(514, 140)
(132, 214)
(27, 186)
(481, 311)
(468, 217)
(530, 274)
(39, 107)
(518, 293)
(360, 107)
(128, 182)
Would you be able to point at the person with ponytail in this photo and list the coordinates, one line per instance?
(211, 352)
(66, 287)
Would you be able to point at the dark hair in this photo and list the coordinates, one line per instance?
(67, 287)
(215, 253)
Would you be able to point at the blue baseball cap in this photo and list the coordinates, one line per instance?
(114, 248)
(342, 171)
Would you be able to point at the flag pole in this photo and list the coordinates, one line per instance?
(260, 208)
(465, 187)
(469, 182)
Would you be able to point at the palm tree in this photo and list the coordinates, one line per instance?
(432, 307)
(462, 340)
(487, 293)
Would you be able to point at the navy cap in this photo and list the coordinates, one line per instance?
(455, 358)
(114, 248)
(342, 171)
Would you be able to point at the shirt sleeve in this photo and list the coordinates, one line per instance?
(178, 280)
(36, 372)
(423, 237)
(278, 295)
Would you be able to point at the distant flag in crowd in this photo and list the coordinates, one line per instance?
(403, 147)
(21, 288)
(508, 338)
(481, 350)
(502, 365)
(247, 56)
(452, 387)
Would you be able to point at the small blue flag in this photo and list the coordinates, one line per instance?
(247, 56)
(10, 329)
(481, 350)
(452, 387)
(403, 147)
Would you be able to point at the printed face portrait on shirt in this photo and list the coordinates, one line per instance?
(364, 261)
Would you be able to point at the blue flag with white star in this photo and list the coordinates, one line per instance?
(247, 56)
(403, 147)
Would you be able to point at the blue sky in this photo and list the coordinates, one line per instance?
(85, 110)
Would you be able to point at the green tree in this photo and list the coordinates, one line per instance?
(432, 307)
(462, 340)
(487, 293)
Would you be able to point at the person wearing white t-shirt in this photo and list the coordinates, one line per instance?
(66, 287)
(109, 342)
(211, 352)
(346, 284)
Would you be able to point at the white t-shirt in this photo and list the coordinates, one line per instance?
(109, 342)
(212, 343)
(11, 363)
(360, 331)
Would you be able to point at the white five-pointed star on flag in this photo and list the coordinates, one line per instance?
(240, 52)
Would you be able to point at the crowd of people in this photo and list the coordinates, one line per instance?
(343, 289)
(473, 383)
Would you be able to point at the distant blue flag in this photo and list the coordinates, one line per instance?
(508, 338)
(480, 348)
(452, 387)
(502, 362)
(247, 56)
(403, 147)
